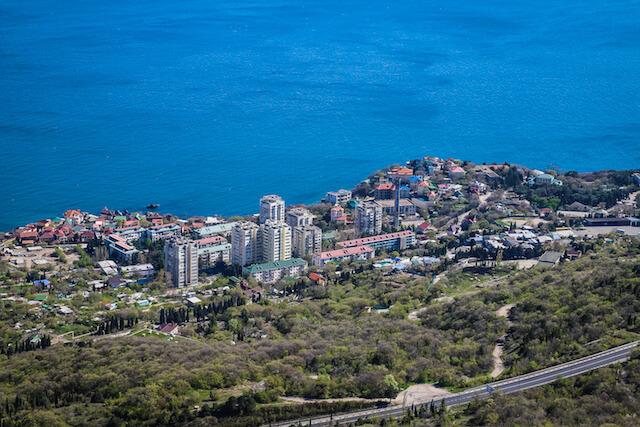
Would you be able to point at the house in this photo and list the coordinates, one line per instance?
(42, 284)
(115, 282)
(338, 197)
(336, 212)
(318, 279)
(73, 216)
(28, 237)
(253, 293)
(456, 172)
(169, 328)
(86, 236)
(400, 173)
(384, 191)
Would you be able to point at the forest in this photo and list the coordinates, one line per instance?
(330, 343)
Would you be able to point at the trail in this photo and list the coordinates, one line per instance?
(498, 365)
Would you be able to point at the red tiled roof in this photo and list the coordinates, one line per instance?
(315, 277)
(385, 186)
(401, 171)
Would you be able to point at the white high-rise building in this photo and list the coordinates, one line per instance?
(245, 243)
(271, 207)
(368, 218)
(297, 217)
(181, 261)
(307, 239)
(276, 241)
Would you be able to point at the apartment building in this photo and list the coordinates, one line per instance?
(307, 239)
(271, 208)
(245, 243)
(181, 261)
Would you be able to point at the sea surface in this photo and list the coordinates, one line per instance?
(205, 106)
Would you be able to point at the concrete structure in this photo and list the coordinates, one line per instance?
(181, 261)
(271, 272)
(388, 242)
(131, 233)
(384, 191)
(271, 207)
(164, 231)
(355, 253)
(307, 239)
(368, 218)
(297, 217)
(549, 259)
(245, 243)
(142, 270)
(405, 207)
(212, 250)
(119, 248)
(276, 241)
(338, 197)
(337, 212)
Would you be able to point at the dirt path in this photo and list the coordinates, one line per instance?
(498, 365)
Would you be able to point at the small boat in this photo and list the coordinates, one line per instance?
(152, 206)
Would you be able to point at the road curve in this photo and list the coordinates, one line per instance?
(510, 385)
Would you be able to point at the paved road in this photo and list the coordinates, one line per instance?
(511, 385)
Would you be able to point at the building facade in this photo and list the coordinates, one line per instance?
(388, 242)
(338, 197)
(212, 250)
(297, 217)
(271, 208)
(164, 231)
(181, 261)
(307, 239)
(271, 272)
(355, 253)
(276, 241)
(368, 218)
(245, 244)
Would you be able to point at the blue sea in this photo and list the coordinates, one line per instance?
(205, 106)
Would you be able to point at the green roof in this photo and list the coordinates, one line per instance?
(41, 297)
(254, 268)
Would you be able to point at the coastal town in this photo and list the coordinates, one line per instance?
(430, 215)
(444, 255)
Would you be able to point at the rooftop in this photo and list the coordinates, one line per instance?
(276, 265)
(345, 252)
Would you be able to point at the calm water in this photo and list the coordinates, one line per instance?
(204, 106)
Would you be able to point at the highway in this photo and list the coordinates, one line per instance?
(510, 385)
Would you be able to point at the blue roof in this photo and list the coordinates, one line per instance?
(42, 282)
